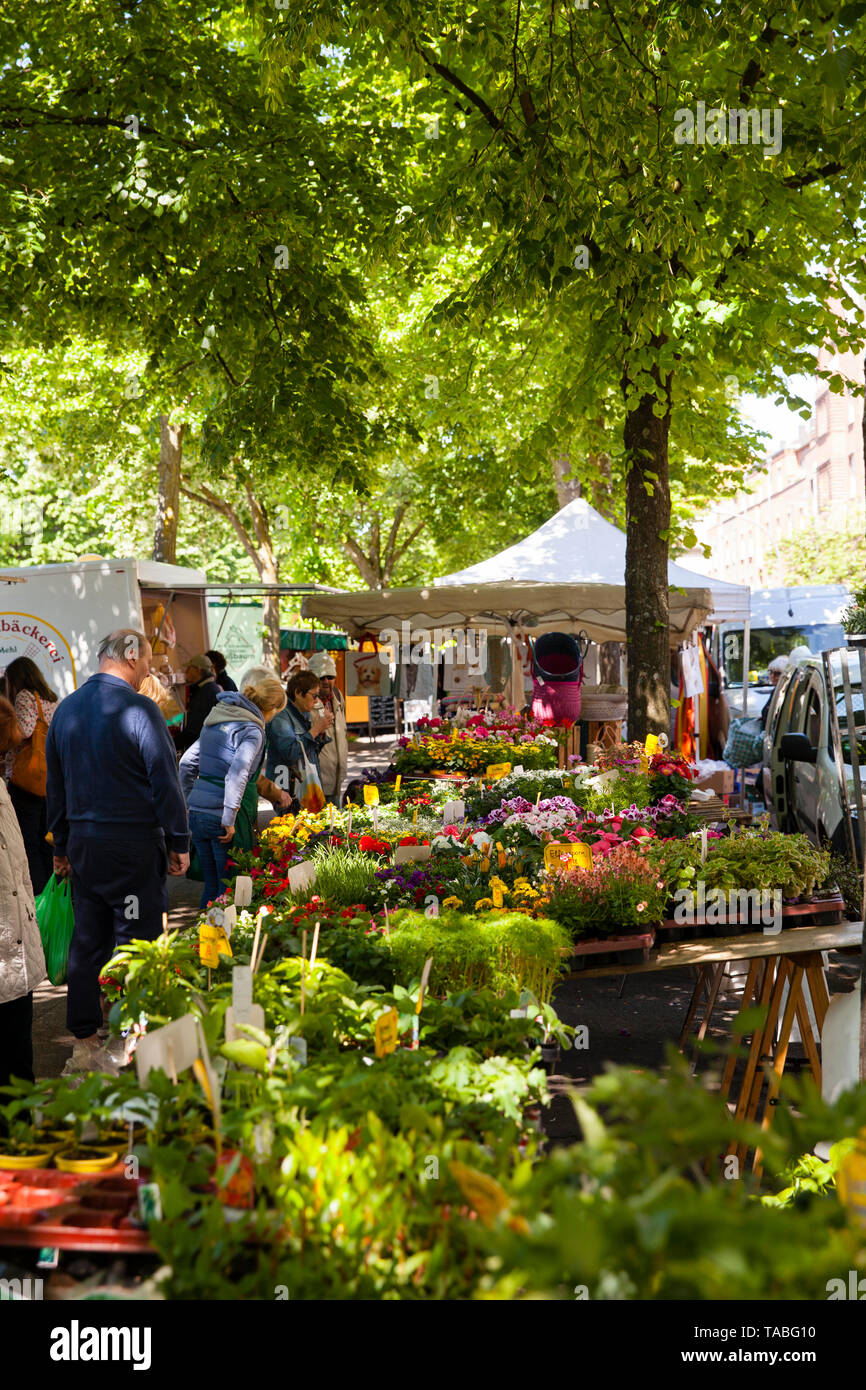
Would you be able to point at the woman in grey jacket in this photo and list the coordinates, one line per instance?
(22, 964)
(219, 775)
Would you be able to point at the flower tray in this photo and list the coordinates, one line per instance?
(611, 950)
(78, 1213)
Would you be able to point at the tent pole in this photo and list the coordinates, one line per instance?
(747, 636)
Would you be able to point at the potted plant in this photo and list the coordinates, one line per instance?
(86, 1104)
(854, 618)
(24, 1142)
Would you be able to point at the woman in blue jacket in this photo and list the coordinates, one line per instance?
(294, 734)
(219, 774)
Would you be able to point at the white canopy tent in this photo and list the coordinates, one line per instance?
(578, 547)
(570, 574)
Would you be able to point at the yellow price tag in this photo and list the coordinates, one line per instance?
(371, 795)
(386, 1034)
(652, 744)
(397, 781)
(567, 856)
(496, 770)
(212, 943)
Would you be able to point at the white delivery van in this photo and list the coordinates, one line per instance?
(58, 614)
(781, 619)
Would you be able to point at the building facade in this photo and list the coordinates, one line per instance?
(815, 482)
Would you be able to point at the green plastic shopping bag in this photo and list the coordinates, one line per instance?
(54, 915)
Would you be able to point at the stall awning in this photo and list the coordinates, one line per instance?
(598, 608)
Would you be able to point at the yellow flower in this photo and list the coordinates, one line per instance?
(485, 865)
(452, 902)
(484, 905)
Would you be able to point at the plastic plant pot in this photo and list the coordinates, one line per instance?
(37, 1198)
(95, 1164)
(46, 1177)
(17, 1163)
(15, 1216)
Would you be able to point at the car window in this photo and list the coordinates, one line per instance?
(796, 718)
(781, 702)
(813, 717)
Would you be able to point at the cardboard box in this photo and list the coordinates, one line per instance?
(722, 783)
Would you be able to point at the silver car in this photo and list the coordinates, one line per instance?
(801, 782)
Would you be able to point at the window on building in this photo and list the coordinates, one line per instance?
(825, 491)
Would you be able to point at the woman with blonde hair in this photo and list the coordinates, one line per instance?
(219, 775)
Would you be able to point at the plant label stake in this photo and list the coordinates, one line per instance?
(567, 856)
(349, 826)
(243, 894)
(425, 976)
(165, 924)
(453, 811)
(242, 991)
(303, 970)
(494, 771)
(171, 1049)
(261, 953)
(375, 820)
(518, 769)
(315, 946)
(385, 1032)
(411, 854)
(301, 877)
(703, 844)
(397, 780)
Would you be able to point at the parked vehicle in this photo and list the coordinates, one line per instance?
(799, 775)
(781, 619)
(57, 614)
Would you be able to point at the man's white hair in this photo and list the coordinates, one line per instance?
(121, 645)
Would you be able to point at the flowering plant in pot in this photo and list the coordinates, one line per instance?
(622, 893)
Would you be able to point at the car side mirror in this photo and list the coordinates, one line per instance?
(797, 748)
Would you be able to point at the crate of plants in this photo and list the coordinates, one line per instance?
(611, 910)
(744, 881)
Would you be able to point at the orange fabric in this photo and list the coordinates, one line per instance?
(30, 770)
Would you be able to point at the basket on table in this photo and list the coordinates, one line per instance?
(603, 703)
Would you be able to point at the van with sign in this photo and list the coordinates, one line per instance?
(58, 614)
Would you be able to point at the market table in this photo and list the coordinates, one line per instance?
(790, 958)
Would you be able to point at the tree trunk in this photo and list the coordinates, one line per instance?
(256, 541)
(567, 486)
(648, 513)
(168, 496)
(610, 663)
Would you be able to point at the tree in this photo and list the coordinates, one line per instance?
(582, 170)
(154, 203)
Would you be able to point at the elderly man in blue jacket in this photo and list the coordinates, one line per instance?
(118, 820)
